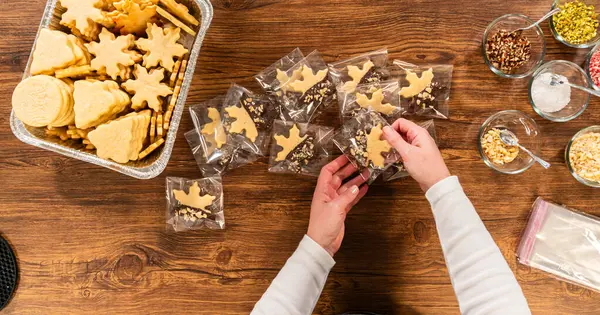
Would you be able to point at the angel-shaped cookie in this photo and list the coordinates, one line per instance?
(376, 147)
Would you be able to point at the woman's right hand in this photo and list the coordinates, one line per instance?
(418, 150)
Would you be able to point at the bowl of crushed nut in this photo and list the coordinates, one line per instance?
(504, 158)
(510, 52)
(576, 24)
(582, 156)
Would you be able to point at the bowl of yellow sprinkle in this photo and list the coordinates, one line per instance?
(576, 24)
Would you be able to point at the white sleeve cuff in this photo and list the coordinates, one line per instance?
(320, 255)
(442, 188)
(297, 287)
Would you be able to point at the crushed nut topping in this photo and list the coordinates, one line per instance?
(508, 51)
(302, 155)
(258, 111)
(498, 152)
(317, 95)
(191, 215)
(584, 156)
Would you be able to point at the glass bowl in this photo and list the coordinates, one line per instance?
(587, 66)
(536, 38)
(559, 38)
(579, 99)
(526, 131)
(568, 159)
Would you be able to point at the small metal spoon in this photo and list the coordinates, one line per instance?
(556, 80)
(511, 139)
(549, 14)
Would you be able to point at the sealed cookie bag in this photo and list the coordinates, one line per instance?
(361, 140)
(380, 97)
(397, 170)
(366, 68)
(216, 161)
(194, 204)
(425, 90)
(298, 148)
(248, 118)
(268, 77)
(208, 121)
(214, 152)
(303, 89)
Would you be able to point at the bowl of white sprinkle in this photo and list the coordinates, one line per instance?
(552, 97)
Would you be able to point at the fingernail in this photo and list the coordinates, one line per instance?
(354, 190)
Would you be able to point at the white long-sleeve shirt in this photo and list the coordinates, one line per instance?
(482, 280)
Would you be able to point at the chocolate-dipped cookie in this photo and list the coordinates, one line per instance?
(258, 109)
(374, 75)
(428, 98)
(359, 148)
(301, 155)
(316, 95)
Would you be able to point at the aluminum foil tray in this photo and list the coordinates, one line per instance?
(152, 165)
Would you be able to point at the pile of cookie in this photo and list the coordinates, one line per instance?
(108, 79)
(373, 93)
(237, 128)
(242, 126)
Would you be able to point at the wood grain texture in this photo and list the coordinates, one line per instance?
(90, 240)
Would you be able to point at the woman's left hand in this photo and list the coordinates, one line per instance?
(332, 201)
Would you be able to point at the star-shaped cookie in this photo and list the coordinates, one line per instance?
(82, 15)
(161, 47)
(132, 16)
(113, 54)
(147, 88)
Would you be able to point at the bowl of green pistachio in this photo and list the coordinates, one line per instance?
(576, 24)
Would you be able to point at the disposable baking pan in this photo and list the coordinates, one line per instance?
(152, 165)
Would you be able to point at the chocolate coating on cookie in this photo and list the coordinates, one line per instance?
(374, 75)
(259, 109)
(317, 95)
(302, 155)
(428, 98)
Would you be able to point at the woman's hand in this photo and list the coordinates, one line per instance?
(332, 201)
(420, 154)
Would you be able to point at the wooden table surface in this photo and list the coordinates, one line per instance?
(90, 240)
